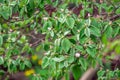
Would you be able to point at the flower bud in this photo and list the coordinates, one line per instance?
(77, 55)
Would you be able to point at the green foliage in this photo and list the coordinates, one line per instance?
(65, 42)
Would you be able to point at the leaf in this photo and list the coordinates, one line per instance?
(61, 65)
(62, 18)
(46, 47)
(117, 49)
(95, 31)
(66, 44)
(76, 72)
(87, 32)
(100, 73)
(70, 22)
(91, 51)
(47, 25)
(45, 62)
(66, 32)
(79, 48)
(116, 31)
(1, 40)
(52, 33)
(66, 64)
(67, 76)
(1, 60)
(108, 31)
(72, 41)
(57, 42)
(38, 48)
(1, 1)
(28, 64)
(83, 63)
(104, 39)
(2, 72)
(22, 66)
(70, 59)
(59, 59)
(88, 21)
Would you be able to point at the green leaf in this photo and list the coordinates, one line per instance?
(83, 63)
(66, 64)
(38, 48)
(88, 21)
(82, 13)
(2, 72)
(91, 51)
(22, 66)
(95, 31)
(45, 62)
(108, 31)
(47, 25)
(61, 65)
(66, 44)
(104, 39)
(100, 73)
(57, 42)
(87, 32)
(117, 11)
(67, 76)
(71, 59)
(76, 72)
(116, 31)
(46, 47)
(1, 40)
(59, 59)
(1, 60)
(70, 22)
(5, 11)
(28, 64)
(62, 18)
(79, 48)
(117, 49)
(1, 1)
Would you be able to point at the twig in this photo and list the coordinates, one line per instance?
(115, 17)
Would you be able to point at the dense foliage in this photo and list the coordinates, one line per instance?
(56, 38)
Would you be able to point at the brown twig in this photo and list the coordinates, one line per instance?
(115, 17)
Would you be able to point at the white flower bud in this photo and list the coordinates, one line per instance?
(62, 10)
(49, 28)
(77, 55)
(45, 18)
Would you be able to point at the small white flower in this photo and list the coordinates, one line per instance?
(62, 10)
(45, 18)
(77, 55)
(11, 30)
(49, 28)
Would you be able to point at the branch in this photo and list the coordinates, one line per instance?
(115, 17)
(88, 75)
